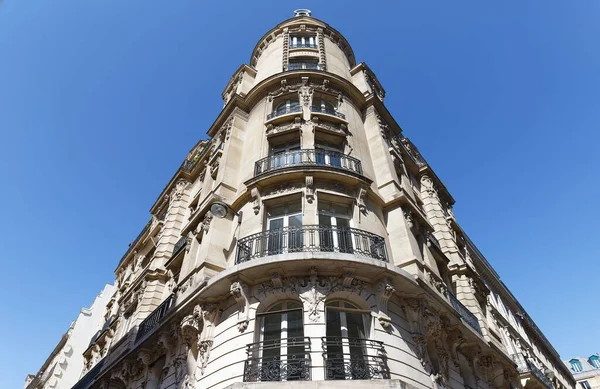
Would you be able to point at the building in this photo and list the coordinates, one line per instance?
(308, 240)
(586, 371)
(62, 369)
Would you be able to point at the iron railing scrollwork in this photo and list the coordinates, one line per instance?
(308, 157)
(354, 359)
(180, 245)
(285, 359)
(154, 318)
(311, 238)
(328, 111)
(464, 313)
(87, 379)
(280, 112)
(525, 365)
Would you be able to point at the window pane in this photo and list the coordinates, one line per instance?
(294, 208)
(325, 233)
(295, 241)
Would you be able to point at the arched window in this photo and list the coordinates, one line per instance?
(346, 342)
(281, 350)
(595, 361)
(575, 365)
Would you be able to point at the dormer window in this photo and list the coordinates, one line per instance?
(303, 42)
(575, 365)
(595, 361)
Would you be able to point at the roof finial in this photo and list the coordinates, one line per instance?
(302, 12)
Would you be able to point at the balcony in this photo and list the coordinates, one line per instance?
(180, 245)
(525, 366)
(354, 359)
(307, 157)
(278, 360)
(303, 45)
(328, 111)
(464, 313)
(303, 65)
(86, 380)
(311, 238)
(286, 111)
(154, 318)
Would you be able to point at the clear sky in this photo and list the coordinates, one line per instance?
(101, 100)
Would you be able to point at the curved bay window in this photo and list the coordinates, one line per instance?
(348, 354)
(282, 353)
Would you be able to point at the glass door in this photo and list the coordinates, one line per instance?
(285, 155)
(284, 225)
(335, 233)
(346, 336)
(282, 351)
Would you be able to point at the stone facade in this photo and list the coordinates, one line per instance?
(586, 371)
(63, 368)
(308, 240)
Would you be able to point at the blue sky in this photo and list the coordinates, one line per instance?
(101, 100)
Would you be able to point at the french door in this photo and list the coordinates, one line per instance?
(285, 155)
(285, 229)
(335, 233)
(346, 336)
(282, 352)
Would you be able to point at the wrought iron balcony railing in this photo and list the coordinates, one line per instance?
(281, 112)
(307, 157)
(311, 238)
(154, 318)
(303, 45)
(87, 379)
(525, 365)
(464, 313)
(303, 65)
(328, 111)
(285, 359)
(181, 243)
(354, 359)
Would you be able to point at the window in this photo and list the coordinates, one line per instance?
(287, 106)
(282, 350)
(585, 385)
(334, 219)
(595, 361)
(328, 154)
(346, 337)
(303, 41)
(284, 223)
(303, 63)
(575, 365)
(285, 155)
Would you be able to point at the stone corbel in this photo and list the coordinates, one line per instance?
(362, 200)
(210, 314)
(146, 357)
(191, 326)
(385, 290)
(310, 189)
(239, 293)
(255, 194)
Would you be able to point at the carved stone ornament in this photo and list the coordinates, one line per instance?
(240, 294)
(191, 326)
(205, 224)
(310, 189)
(409, 217)
(362, 200)
(305, 93)
(204, 348)
(256, 200)
(427, 186)
(385, 290)
(283, 188)
(312, 290)
(178, 191)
